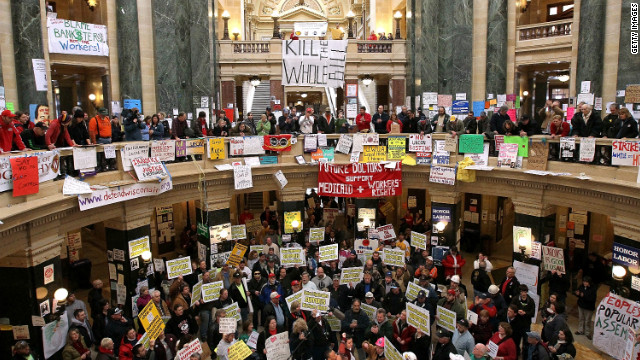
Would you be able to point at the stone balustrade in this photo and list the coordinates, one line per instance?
(545, 30)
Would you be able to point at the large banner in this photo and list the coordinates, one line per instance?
(48, 168)
(359, 180)
(614, 316)
(114, 195)
(318, 63)
(77, 38)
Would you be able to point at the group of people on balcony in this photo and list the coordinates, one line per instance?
(17, 132)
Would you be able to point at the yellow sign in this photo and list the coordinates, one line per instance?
(396, 147)
(195, 146)
(253, 225)
(138, 246)
(239, 351)
(289, 217)
(387, 208)
(374, 154)
(151, 320)
(236, 254)
(216, 149)
(179, 266)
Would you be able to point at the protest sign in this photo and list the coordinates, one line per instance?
(521, 141)
(138, 246)
(315, 300)
(587, 149)
(316, 235)
(196, 293)
(76, 38)
(419, 241)
(253, 225)
(253, 145)
(472, 317)
(625, 153)
(216, 149)
(24, 172)
(567, 147)
(508, 155)
(493, 349)
(386, 232)
(150, 168)
(195, 146)
(219, 258)
(351, 275)
(281, 179)
(310, 28)
(72, 186)
(553, 259)
(236, 146)
(151, 320)
(292, 256)
(460, 106)
(442, 175)
(359, 180)
(179, 266)
(84, 157)
(219, 233)
(419, 318)
(420, 143)
(369, 310)
(310, 143)
(316, 63)
(626, 255)
(252, 342)
(393, 257)
(277, 346)
(293, 298)
(233, 311)
(396, 147)
(236, 255)
(277, 142)
(450, 144)
(289, 218)
(238, 232)
(445, 100)
(242, 178)
(446, 318)
(334, 322)
(471, 144)
(520, 232)
(238, 351)
(387, 208)
(211, 291)
(614, 316)
(344, 144)
(412, 291)
(164, 150)
(374, 153)
(390, 351)
(189, 349)
(228, 325)
(372, 139)
(54, 335)
(527, 274)
(481, 159)
(133, 151)
(538, 156)
(630, 345)
(181, 148)
(328, 252)
(368, 214)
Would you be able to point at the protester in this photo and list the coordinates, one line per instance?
(33, 138)
(76, 347)
(133, 125)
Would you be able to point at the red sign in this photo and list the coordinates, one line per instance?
(277, 142)
(25, 175)
(359, 180)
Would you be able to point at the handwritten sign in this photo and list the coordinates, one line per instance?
(165, 150)
(277, 346)
(442, 175)
(587, 149)
(420, 143)
(324, 58)
(386, 232)
(450, 144)
(471, 144)
(374, 154)
(195, 146)
(84, 158)
(242, 178)
(344, 144)
(228, 326)
(239, 350)
(328, 252)
(177, 267)
(553, 259)
(396, 147)
(133, 151)
(216, 149)
(25, 175)
(613, 316)
(508, 155)
(538, 156)
(189, 349)
(149, 168)
(521, 141)
(625, 153)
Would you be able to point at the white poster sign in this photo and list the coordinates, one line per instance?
(317, 63)
(442, 175)
(164, 150)
(310, 28)
(613, 316)
(242, 178)
(84, 158)
(420, 143)
(114, 195)
(77, 38)
(133, 151)
(40, 74)
(149, 168)
(179, 266)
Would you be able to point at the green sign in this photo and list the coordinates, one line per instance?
(203, 230)
(471, 144)
(523, 144)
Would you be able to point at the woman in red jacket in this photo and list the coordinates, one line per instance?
(453, 263)
(403, 332)
(130, 340)
(506, 346)
(559, 127)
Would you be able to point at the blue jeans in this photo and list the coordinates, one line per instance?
(103, 140)
(205, 322)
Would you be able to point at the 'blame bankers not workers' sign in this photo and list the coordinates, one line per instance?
(319, 63)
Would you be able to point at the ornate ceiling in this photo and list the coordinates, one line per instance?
(332, 9)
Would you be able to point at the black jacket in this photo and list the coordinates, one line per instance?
(116, 330)
(116, 132)
(512, 290)
(326, 128)
(587, 298)
(592, 128)
(234, 293)
(610, 126)
(376, 289)
(480, 280)
(393, 303)
(628, 129)
(532, 128)
(380, 128)
(410, 126)
(32, 141)
(79, 132)
(442, 351)
(269, 310)
(528, 306)
(181, 325)
(497, 120)
(357, 332)
(287, 128)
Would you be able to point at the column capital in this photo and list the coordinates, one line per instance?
(626, 228)
(532, 208)
(444, 195)
(134, 214)
(34, 255)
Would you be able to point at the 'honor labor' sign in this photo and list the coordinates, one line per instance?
(359, 180)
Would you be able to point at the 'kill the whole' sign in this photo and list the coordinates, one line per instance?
(359, 180)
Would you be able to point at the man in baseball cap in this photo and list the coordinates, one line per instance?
(462, 338)
(9, 135)
(444, 346)
(536, 349)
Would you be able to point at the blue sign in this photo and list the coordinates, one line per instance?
(460, 107)
(268, 160)
(626, 255)
(440, 214)
(132, 103)
(478, 107)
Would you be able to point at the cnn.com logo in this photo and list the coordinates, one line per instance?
(634, 28)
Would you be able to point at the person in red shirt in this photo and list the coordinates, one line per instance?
(373, 35)
(559, 127)
(57, 134)
(9, 135)
(245, 216)
(453, 263)
(21, 122)
(363, 120)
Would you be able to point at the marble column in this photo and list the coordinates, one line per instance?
(540, 94)
(215, 48)
(27, 43)
(426, 49)
(411, 73)
(591, 44)
(199, 39)
(628, 63)
(497, 47)
(128, 50)
(455, 43)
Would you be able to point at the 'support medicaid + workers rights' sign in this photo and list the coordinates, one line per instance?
(77, 38)
(359, 180)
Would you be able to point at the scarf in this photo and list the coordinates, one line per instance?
(102, 350)
(79, 348)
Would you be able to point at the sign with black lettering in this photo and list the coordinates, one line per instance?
(318, 63)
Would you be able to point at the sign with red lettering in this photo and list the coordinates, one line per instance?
(25, 175)
(553, 259)
(150, 168)
(625, 153)
(359, 180)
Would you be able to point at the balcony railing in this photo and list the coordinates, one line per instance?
(545, 30)
(380, 46)
(251, 47)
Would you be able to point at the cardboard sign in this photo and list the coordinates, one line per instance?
(179, 266)
(538, 156)
(393, 257)
(290, 257)
(211, 291)
(25, 175)
(138, 246)
(195, 146)
(419, 241)
(387, 208)
(151, 320)
(351, 275)
(553, 259)
(446, 318)
(419, 318)
(328, 252)
(450, 144)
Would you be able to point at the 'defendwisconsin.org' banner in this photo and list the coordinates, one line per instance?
(359, 180)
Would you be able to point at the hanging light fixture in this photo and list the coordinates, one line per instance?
(618, 272)
(255, 81)
(367, 80)
(303, 95)
(91, 4)
(564, 78)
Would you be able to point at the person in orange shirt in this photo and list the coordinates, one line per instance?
(100, 127)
